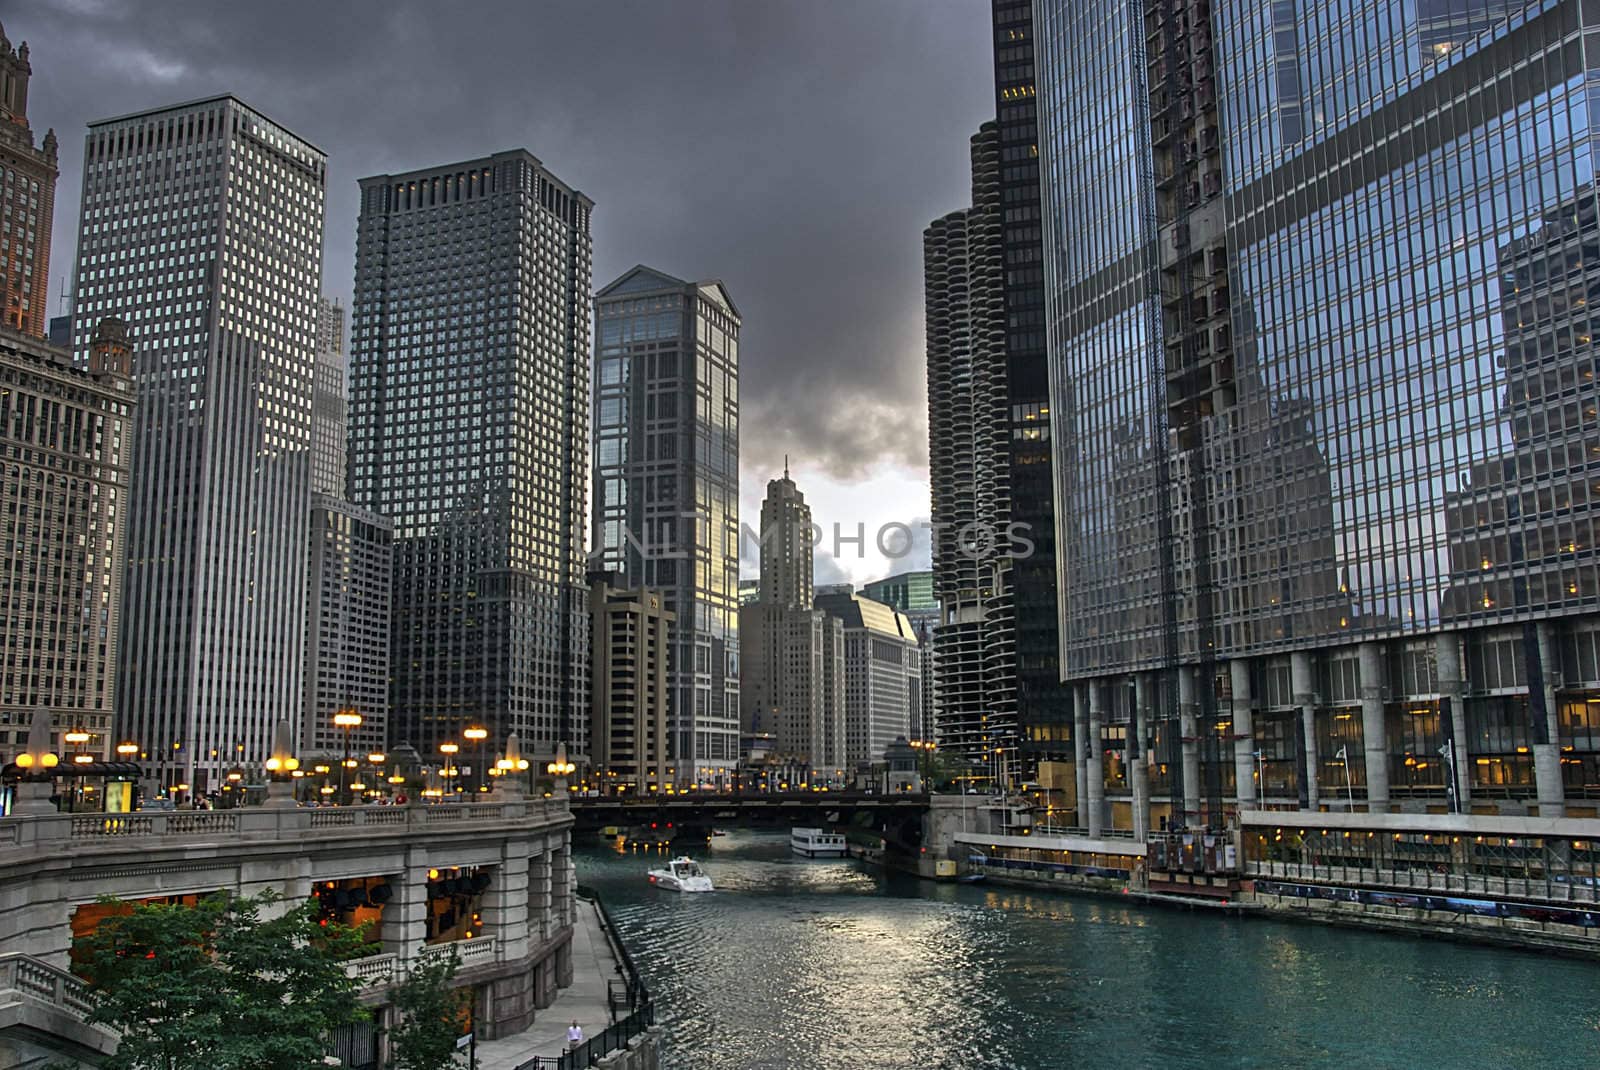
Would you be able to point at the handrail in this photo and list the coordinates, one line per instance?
(28, 831)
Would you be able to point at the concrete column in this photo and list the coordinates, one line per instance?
(1080, 750)
(1139, 727)
(505, 901)
(541, 924)
(1547, 755)
(1452, 686)
(1303, 681)
(1244, 736)
(1094, 768)
(1189, 726)
(405, 914)
(561, 881)
(1374, 727)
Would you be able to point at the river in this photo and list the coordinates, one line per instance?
(820, 964)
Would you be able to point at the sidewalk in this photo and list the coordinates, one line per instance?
(585, 999)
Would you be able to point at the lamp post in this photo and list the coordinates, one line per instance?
(282, 769)
(477, 734)
(1261, 779)
(1349, 792)
(560, 769)
(35, 764)
(1448, 752)
(78, 736)
(346, 719)
(449, 750)
(377, 758)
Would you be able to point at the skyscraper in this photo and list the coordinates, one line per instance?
(628, 705)
(666, 509)
(201, 226)
(792, 680)
(349, 581)
(1322, 403)
(469, 403)
(1044, 705)
(27, 199)
(882, 674)
(329, 423)
(969, 465)
(65, 439)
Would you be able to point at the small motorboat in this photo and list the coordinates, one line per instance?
(970, 878)
(682, 874)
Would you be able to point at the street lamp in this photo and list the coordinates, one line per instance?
(346, 719)
(1261, 777)
(477, 734)
(449, 750)
(78, 736)
(560, 769)
(282, 768)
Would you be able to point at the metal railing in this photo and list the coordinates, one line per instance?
(630, 992)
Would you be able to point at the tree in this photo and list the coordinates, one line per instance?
(428, 1015)
(229, 983)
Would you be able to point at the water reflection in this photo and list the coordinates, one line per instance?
(797, 964)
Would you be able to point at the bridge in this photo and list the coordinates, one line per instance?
(897, 815)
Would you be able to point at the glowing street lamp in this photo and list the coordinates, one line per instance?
(477, 734)
(561, 769)
(449, 750)
(346, 719)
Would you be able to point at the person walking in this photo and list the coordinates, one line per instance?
(574, 1035)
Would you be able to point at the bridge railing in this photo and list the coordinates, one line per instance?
(27, 831)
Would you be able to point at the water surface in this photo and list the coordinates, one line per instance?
(811, 964)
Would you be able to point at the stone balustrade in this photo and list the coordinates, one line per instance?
(27, 831)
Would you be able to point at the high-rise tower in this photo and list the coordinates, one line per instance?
(787, 539)
(201, 227)
(27, 199)
(792, 676)
(469, 408)
(1323, 396)
(969, 465)
(329, 425)
(666, 510)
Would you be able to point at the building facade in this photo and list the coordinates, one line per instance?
(1317, 307)
(666, 471)
(27, 200)
(469, 407)
(201, 227)
(968, 464)
(792, 685)
(351, 566)
(629, 643)
(1044, 705)
(65, 439)
(882, 675)
(909, 592)
(329, 422)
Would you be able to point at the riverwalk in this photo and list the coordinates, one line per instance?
(593, 964)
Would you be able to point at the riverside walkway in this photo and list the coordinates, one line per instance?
(593, 964)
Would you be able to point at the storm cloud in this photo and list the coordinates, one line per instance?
(795, 150)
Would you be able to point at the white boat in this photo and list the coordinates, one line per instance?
(682, 874)
(816, 843)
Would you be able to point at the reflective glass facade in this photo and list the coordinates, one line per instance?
(1323, 402)
(666, 470)
(1405, 257)
(469, 406)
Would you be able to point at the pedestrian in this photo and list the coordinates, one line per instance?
(574, 1035)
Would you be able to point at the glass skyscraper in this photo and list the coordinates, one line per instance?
(201, 227)
(1323, 401)
(469, 408)
(666, 469)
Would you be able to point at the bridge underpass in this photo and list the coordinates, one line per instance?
(692, 816)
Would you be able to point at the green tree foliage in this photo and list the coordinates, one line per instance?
(429, 1014)
(254, 983)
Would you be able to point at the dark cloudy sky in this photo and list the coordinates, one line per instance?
(793, 148)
